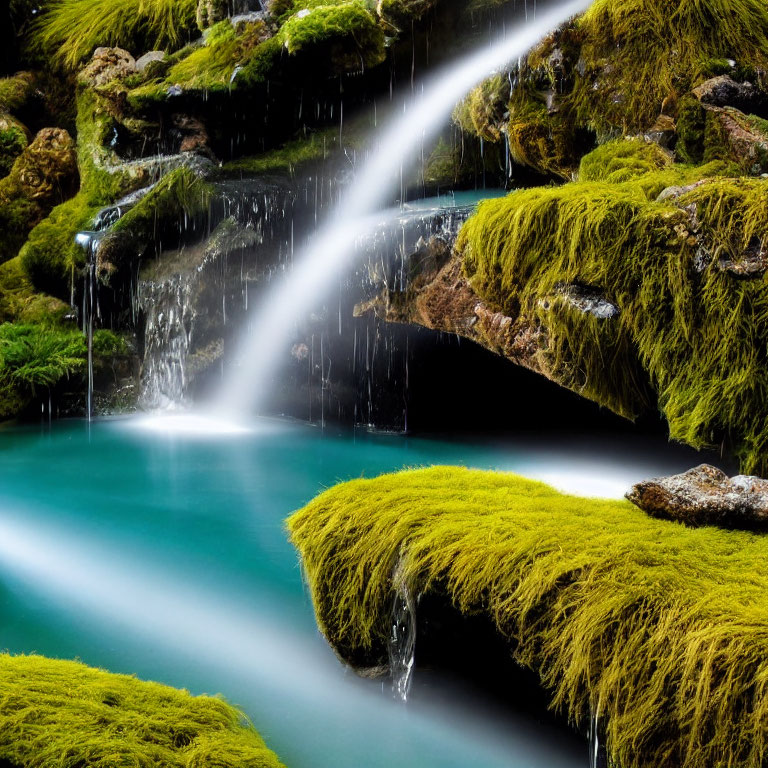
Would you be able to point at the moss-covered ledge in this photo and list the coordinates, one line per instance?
(63, 713)
(662, 628)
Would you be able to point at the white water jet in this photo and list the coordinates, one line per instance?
(316, 268)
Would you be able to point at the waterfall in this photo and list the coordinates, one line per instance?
(316, 268)
(89, 242)
(402, 640)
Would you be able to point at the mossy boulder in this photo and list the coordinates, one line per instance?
(44, 174)
(660, 628)
(670, 247)
(49, 708)
(624, 68)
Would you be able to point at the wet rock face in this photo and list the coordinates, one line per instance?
(440, 297)
(705, 495)
(106, 65)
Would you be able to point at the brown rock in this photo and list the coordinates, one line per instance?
(705, 495)
(440, 297)
(743, 139)
(724, 91)
(46, 168)
(106, 65)
(193, 132)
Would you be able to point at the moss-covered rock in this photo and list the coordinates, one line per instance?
(669, 246)
(49, 708)
(626, 68)
(42, 175)
(659, 627)
(20, 302)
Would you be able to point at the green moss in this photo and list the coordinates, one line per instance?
(623, 160)
(180, 193)
(50, 256)
(13, 141)
(15, 91)
(691, 124)
(69, 30)
(482, 111)
(692, 329)
(402, 13)
(211, 66)
(639, 53)
(19, 300)
(64, 713)
(548, 143)
(102, 181)
(178, 197)
(661, 628)
(346, 33)
(286, 159)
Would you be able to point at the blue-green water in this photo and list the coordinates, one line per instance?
(165, 555)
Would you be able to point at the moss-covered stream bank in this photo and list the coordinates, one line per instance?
(658, 628)
(167, 557)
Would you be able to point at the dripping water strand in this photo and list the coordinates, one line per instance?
(402, 640)
(598, 756)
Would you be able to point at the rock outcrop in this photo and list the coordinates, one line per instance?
(705, 495)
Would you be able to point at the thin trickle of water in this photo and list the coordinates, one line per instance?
(598, 755)
(402, 640)
(316, 267)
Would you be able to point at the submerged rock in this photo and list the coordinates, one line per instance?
(705, 495)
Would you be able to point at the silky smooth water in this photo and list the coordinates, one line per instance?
(165, 555)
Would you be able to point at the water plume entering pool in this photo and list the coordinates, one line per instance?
(330, 249)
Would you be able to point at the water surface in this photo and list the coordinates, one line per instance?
(164, 554)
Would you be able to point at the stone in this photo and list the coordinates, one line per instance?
(744, 140)
(209, 12)
(753, 262)
(46, 167)
(705, 495)
(724, 91)
(663, 131)
(194, 136)
(150, 58)
(586, 300)
(106, 65)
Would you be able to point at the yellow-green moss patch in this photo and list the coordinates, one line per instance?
(62, 713)
(662, 628)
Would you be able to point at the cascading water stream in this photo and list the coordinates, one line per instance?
(402, 640)
(89, 241)
(316, 268)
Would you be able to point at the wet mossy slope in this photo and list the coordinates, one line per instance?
(661, 628)
(62, 713)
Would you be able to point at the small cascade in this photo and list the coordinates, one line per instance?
(169, 315)
(402, 640)
(89, 242)
(598, 755)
